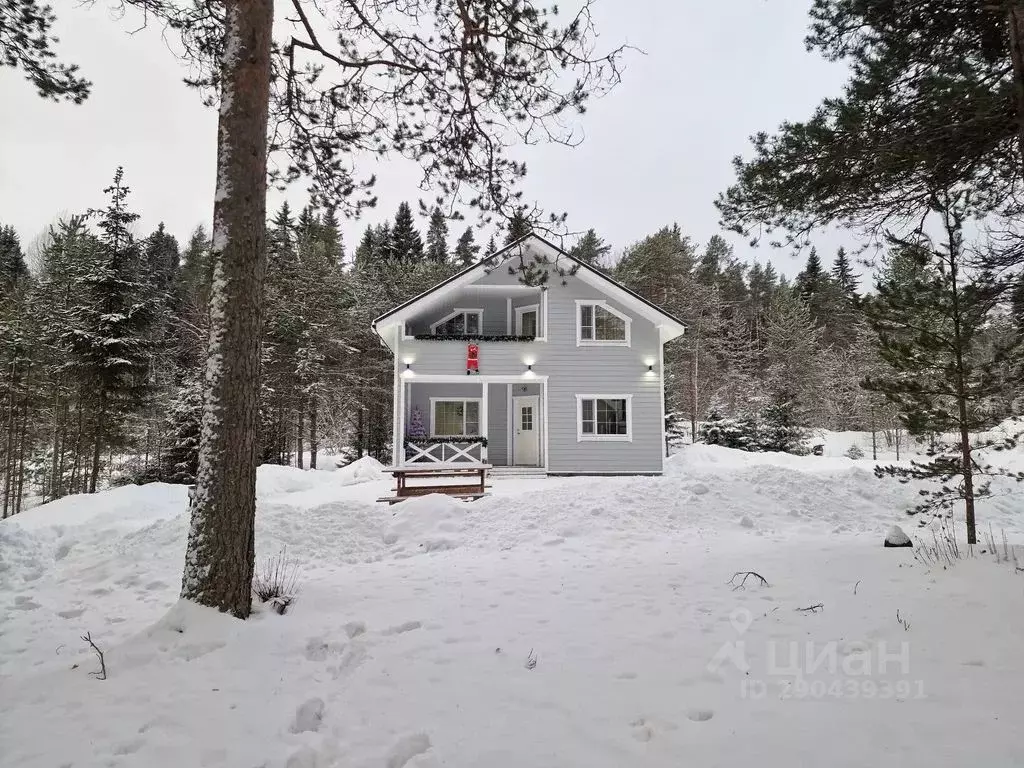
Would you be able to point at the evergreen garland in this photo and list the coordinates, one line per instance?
(470, 337)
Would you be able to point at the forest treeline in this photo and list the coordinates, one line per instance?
(103, 342)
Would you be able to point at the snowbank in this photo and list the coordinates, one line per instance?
(364, 470)
(410, 641)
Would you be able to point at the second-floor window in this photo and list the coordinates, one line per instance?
(461, 322)
(597, 323)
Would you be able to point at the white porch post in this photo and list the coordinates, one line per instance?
(483, 420)
(400, 423)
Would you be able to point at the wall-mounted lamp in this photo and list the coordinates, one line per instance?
(408, 369)
(529, 366)
(650, 368)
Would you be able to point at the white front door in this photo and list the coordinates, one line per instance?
(526, 440)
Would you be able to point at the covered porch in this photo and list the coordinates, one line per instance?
(495, 420)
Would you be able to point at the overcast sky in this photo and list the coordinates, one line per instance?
(657, 149)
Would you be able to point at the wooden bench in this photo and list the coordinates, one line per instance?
(470, 491)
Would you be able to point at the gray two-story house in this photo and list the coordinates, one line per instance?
(564, 378)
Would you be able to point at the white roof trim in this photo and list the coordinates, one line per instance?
(670, 327)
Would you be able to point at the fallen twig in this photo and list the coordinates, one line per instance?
(531, 660)
(102, 673)
(812, 608)
(855, 586)
(746, 575)
(902, 622)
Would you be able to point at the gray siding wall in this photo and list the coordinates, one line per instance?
(497, 425)
(571, 370)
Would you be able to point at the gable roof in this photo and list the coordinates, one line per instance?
(585, 272)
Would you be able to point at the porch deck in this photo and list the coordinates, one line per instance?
(497, 421)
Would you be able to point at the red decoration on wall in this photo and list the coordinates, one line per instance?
(472, 359)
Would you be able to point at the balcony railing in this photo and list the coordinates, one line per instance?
(470, 337)
(453, 450)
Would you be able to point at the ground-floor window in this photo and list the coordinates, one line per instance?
(604, 417)
(452, 418)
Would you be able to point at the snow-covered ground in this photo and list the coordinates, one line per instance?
(410, 643)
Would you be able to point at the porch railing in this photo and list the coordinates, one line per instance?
(472, 450)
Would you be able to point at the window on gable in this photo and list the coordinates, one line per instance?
(598, 323)
(463, 322)
(603, 417)
(455, 418)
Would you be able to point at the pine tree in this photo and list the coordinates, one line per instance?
(19, 352)
(715, 257)
(928, 315)
(843, 274)
(407, 245)
(184, 422)
(162, 259)
(366, 249)
(911, 117)
(437, 237)
(518, 226)
(794, 364)
(466, 249)
(333, 241)
(1017, 304)
(108, 334)
(781, 428)
(196, 272)
(590, 249)
(384, 245)
(12, 261)
(28, 44)
(491, 246)
(812, 279)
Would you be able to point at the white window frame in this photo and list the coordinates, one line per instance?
(460, 311)
(520, 311)
(581, 342)
(584, 438)
(463, 400)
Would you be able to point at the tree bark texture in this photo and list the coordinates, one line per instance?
(1015, 23)
(314, 437)
(220, 556)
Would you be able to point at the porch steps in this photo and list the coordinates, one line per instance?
(518, 472)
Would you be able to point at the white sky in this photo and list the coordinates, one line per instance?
(658, 149)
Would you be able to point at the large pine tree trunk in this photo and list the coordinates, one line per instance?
(56, 445)
(314, 436)
(299, 446)
(97, 445)
(1015, 23)
(221, 543)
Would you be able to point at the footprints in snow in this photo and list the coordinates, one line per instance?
(308, 717)
(644, 729)
(700, 715)
(405, 749)
(399, 629)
